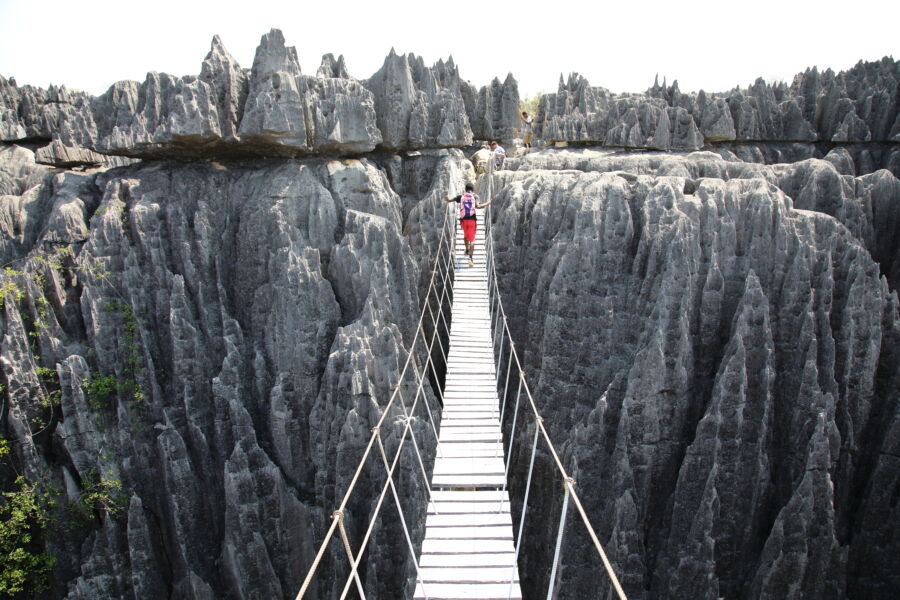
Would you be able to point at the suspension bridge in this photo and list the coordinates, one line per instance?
(471, 545)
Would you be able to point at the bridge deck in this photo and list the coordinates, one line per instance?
(468, 549)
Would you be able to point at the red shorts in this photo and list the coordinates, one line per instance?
(469, 226)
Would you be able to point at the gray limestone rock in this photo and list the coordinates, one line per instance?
(247, 312)
(842, 161)
(418, 106)
(726, 402)
(288, 113)
(57, 154)
(18, 170)
(716, 122)
(495, 115)
(331, 68)
(859, 105)
(732, 353)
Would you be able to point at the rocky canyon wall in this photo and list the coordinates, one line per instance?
(715, 345)
(856, 109)
(212, 283)
(252, 317)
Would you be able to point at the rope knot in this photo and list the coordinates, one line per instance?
(406, 420)
(338, 515)
(376, 429)
(570, 481)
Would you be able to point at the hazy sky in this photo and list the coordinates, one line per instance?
(620, 45)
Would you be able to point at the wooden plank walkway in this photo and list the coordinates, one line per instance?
(468, 550)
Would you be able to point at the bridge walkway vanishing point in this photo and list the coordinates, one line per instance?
(468, 549)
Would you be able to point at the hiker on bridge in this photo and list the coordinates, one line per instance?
(468, 219)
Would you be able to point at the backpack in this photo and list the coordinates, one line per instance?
(467, 205)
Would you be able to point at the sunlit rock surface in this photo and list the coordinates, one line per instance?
(715, 345)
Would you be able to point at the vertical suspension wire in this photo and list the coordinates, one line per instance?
(435, 325)
(506, 385)
(384, 488)
(559, 538)
(412, 549)
(418, 453)
(420, 380)
(434, 370)
(338, 515)
(499, 361)
(316, 561)
(512, 438)
(515, 566)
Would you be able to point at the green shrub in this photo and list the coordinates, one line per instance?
(100, 389)
(25, 569)
(99, 495)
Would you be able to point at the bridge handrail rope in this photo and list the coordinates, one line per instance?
(443, 262)
(499, 316)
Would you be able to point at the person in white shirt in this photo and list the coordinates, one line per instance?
(526, 129)
(498, 153)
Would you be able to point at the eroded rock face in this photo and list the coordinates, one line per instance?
(714, 364)
(255, 317)
(495, 113)
(272, 110)
(713, 337)
(418, 106)
(300, 114)
(855, 106)
(269, 110)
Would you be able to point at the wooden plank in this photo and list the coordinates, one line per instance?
(462, 466)
(486, 532)
(452, 438)
(458, 410)
(470, 519)
(473, 432)
(468, 481)
(444, 507)
(466, 546)
(469, 574)
(468, 591)
(498, 559)
(470, 496)
(448, 421)
(479, 449)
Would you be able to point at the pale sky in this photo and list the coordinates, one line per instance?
(620, 44)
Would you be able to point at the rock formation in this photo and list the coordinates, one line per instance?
(216, 323)
(254, 317)
(735, 359)
(269, 110)
(495, 113)
(858, 106)
(418, 106)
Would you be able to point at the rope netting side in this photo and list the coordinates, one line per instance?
(499, 319)
(443, 265)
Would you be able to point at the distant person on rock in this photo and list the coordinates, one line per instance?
(499, 155)
(526, 129)
(468, 219)
(480, 159)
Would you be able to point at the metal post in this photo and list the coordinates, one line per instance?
(559, 538)
(537, 434)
